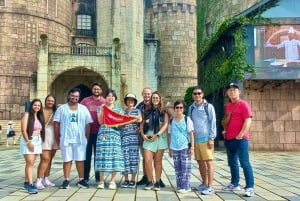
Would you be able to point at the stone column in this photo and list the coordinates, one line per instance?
(42, 89)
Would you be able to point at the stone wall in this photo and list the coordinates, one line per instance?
(22, 22)
(174, 24)
(276, 114)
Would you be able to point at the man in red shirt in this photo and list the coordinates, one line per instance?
(92, 103)
(236, 140)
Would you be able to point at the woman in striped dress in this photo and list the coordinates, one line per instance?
(130, 142)
(109, 155)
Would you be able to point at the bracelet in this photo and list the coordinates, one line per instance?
(28, 142)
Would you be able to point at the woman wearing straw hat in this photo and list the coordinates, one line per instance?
(130, 142)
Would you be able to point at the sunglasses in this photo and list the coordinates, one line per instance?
(178, 107)
(197, 93)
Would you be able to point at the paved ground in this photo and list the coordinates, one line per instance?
(277, 177)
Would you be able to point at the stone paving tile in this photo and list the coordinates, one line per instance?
(277, 177)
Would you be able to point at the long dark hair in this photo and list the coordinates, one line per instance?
(54, 106)
(40, 116)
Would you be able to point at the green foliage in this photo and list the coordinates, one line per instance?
(43, 36)
(116, 40)
(218, 66)
(188, 97)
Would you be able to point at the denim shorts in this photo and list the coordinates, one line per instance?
(36, 140)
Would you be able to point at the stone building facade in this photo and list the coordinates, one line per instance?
(274, 100)
(126, 45)
(21, 24)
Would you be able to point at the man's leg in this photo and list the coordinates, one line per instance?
(203, 171)
(210, 172)
(245, 163)
(232, 157)
(80, 168)
(88, 156)
(144, 179)
(79, 157)
(93, 138)
(67, 169)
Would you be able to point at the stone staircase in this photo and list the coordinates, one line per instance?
(17, 128)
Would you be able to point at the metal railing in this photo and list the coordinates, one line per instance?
(84, 51)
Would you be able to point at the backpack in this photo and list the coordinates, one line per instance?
(205, 109)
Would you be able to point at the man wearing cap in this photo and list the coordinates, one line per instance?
(236, 140)
(92, 103)
(291, 46)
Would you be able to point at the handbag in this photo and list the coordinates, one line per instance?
(11, 134)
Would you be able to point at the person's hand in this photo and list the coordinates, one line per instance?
(191, 151)
(239, 137)
(154, 137)
(30, 146)
(210, 143)
(138, 118)
(268, 44)
(144, 137)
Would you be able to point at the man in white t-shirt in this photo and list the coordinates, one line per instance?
(72, 128)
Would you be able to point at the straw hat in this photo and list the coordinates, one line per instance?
(130, 95)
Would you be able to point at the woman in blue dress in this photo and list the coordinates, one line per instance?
(109, 155)
(130, 142)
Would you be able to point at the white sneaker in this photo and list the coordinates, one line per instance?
(112, 186)
(101, 185)
(208, 191)
(201, 187)
(47, 183)
(231, 187)
(183, 191)
(249, 192)
(39, 185)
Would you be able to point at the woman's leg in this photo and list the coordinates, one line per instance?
(177, 167)
(148, 157)
(101, 176)
(158, 155)
(44, 162)
(47, 173)
(113, 177)
(133, 176)
(29, 160)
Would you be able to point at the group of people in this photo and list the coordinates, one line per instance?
(79, 131)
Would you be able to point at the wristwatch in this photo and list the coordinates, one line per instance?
(211, 138)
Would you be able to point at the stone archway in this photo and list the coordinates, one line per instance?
(77, 77)
(85, 91)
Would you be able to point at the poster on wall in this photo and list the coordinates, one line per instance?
(277, 46)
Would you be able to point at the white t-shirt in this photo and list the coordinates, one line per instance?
(72, 124)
